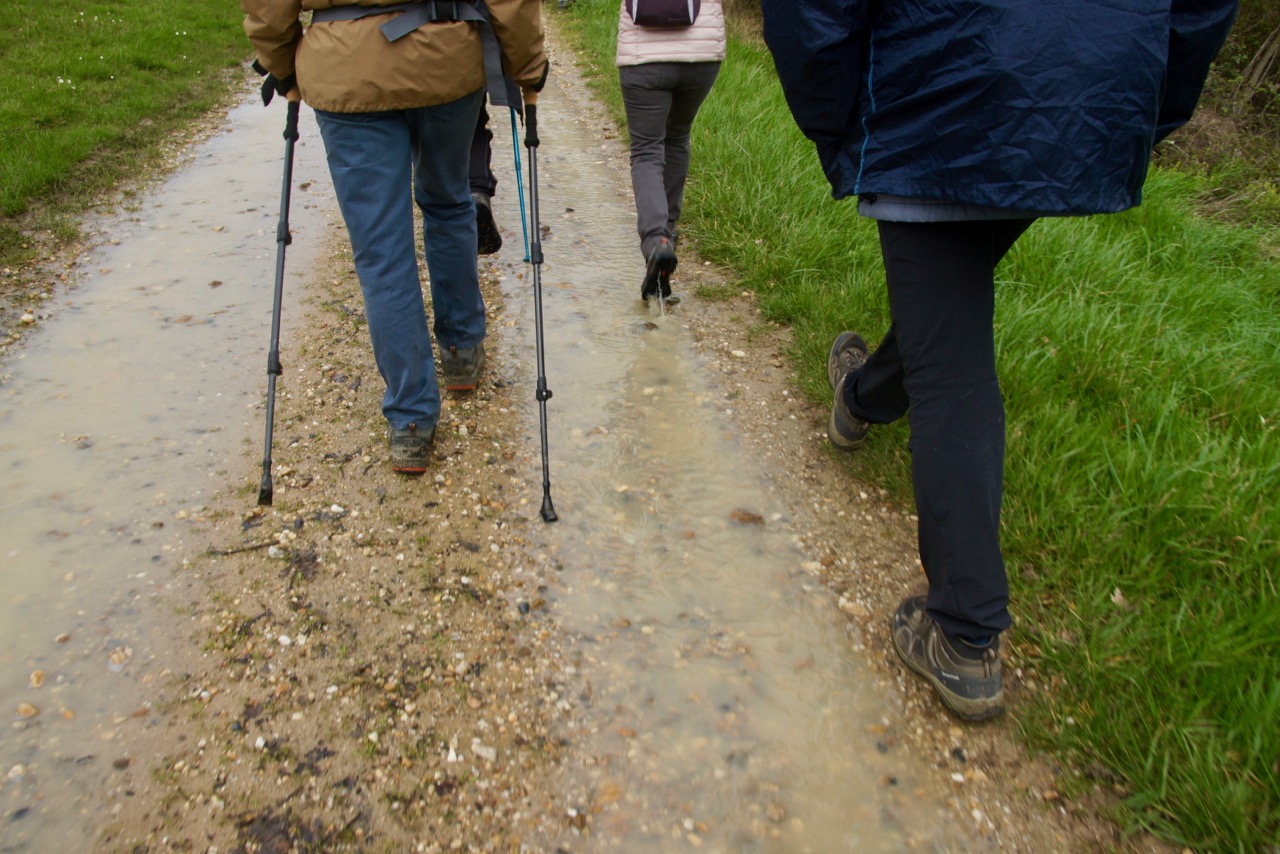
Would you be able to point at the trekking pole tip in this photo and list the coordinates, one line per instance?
(265, 491)
(548, 511)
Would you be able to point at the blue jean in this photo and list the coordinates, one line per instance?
(374, 159)
(662, 99)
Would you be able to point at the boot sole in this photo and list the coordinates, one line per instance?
(658, 280)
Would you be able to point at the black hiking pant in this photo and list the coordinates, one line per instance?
(937, 366)
(480, 168)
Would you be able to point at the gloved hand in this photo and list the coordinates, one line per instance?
(272, 85)
(531, 90)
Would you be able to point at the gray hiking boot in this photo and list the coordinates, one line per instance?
(848, 353)
(460, 367)
(969, 686)
(410, 449)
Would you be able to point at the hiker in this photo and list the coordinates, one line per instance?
(665, 72)
(974, 119)
(397, 118)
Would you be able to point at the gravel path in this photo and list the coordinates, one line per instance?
(371, 664)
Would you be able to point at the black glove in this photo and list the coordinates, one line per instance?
(273, 85)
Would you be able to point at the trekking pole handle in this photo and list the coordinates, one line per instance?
(291, 122)
(531, 125)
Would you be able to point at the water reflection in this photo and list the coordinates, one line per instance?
(118, 419)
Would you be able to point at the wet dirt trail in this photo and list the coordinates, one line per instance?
(119, 419)
(692, 658)
(724, 704)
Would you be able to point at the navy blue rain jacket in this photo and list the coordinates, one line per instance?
(1050, 106)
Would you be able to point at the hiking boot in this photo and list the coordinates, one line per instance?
(657, 272)
(460, 367)
(488, 239)
(966, 677)
(411, 449)
(848, 353)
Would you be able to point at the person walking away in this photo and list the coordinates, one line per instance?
(665, 74)
(397, 118)
(957, 125)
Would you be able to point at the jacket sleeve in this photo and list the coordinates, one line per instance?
(1197, 31)
(518, 25)
(820, 49)
(273, 28)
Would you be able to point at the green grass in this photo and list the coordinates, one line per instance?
(90, 87)
(1140, 360)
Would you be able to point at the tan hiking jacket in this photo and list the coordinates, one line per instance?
(350, 67)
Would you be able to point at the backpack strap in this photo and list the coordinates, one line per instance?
(415, 15)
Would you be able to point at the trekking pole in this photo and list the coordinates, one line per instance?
(283, 239)
(544, 393)
(515, 144)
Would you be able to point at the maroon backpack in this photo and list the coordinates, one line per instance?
(663, 13)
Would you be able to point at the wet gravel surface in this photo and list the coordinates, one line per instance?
(374, 663)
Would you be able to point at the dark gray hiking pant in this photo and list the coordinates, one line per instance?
(662, 99)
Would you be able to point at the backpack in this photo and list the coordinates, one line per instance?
(663, 13)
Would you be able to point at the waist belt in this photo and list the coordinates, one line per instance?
(502, 91)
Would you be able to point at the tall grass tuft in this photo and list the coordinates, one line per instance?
(1140, 361)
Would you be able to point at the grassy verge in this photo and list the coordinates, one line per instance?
(90, 89)
(1140, 359)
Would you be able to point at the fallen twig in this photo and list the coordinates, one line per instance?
(249, 548)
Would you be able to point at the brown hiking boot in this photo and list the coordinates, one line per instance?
(969, 686)
(460, 367)
(410, 449)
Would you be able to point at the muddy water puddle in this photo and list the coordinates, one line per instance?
(127, 407)
(715, 698)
